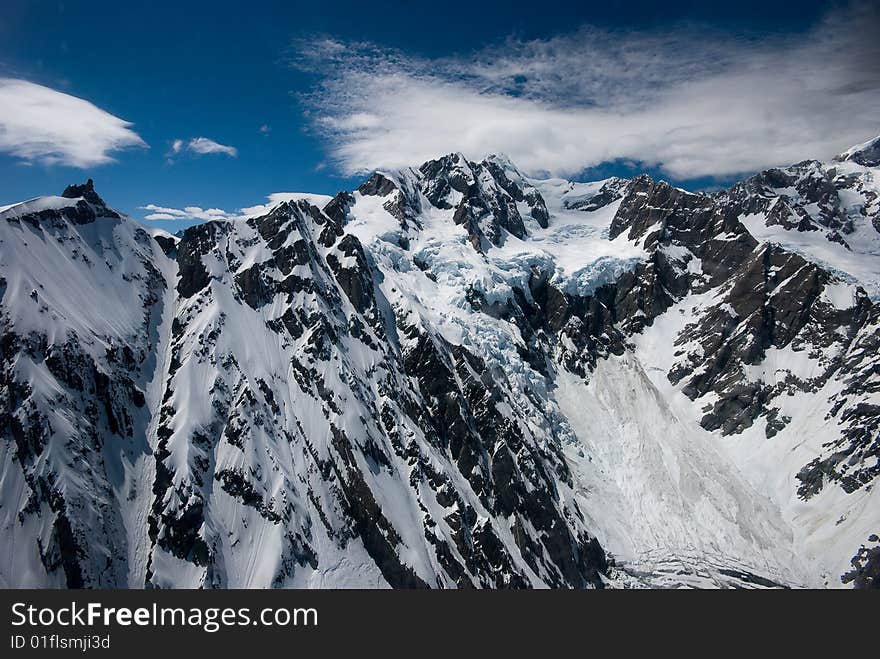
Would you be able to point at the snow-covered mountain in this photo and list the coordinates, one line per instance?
(454, 376)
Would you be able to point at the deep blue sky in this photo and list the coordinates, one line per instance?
(220, 70)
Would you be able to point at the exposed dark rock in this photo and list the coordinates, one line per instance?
(86, 191)
(337, 208)
(865, 574)
(195, 242)
(168, 245)
(367, 403)
(377, 185)
(867, 155)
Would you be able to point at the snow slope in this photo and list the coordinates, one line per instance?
(453, 376)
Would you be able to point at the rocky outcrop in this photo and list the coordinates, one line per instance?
(289, 386)
(73, 388)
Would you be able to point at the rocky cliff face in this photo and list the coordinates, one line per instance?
(454, 376)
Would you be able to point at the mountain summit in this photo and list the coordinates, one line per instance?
(453, 376)
(867, 154)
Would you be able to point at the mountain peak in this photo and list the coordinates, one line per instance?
(86, 191)
(430, 383)
(501, 159)
(867, 154)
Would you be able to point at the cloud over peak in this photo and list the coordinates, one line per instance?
(40, 124)
(691, 100)
(190, 213)
(197, 214)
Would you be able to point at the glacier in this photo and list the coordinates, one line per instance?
(454, 376)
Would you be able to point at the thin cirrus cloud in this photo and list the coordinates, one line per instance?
(201, 146)
(692, 101)
(41, 125)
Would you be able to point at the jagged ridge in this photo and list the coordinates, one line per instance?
(379, 392)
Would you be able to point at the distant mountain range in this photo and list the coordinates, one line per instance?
(453, 376)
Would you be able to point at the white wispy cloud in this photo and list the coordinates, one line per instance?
(188, 213)
(201, 146)
(196, 213)
(40, 124)
(692, 101)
